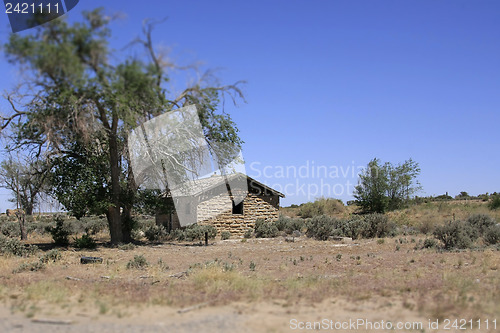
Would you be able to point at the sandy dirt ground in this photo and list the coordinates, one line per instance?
(299, 286)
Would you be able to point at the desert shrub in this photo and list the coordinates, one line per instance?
(495, 202)
(481, 222)
(322, 206)
(457, 234)
(289, 225)
(197, 232)
(378, 225)
(426, 227)
(177, 234)
(84, 242)
(155, 233)
(492, 235)
(10, 229)
(39, 227)
(248, 233)
(93, 225)
(53, 255)
(11, 246)
(32, 266)
(225, 235)
(265, 229)
(354, 227)
(126, 247)
(322, 227)
(139, 262)
(60, 232)
(430, 243)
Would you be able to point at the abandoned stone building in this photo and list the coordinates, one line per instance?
(212, 205)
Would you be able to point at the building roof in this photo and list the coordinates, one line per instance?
(202, 185)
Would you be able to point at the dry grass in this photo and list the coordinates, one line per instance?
(430, 283)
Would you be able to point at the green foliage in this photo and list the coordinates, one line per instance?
(80, 180)
(456, 234)
(197, 232)
(10, 229)
(289, 225)
(83, 99)
(32, 266)
(155, 233)
(139, 262)
(386, 187)
(126, 247)
(378, 225)
(492, 235)
(481, 222)
(11, 246)
(322, 206)
(368, 226)
(60, 232)
(265, 229)
(430, 243)
(322, 227)
(494, 202)
(252, 266)
(225, 235)
(193, 232)
(92, 225)
(248, 233)
(53, 255)
(84, 242)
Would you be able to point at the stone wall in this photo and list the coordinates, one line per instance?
(254, 207)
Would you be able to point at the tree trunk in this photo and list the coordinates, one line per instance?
(115, 224)
(22, 224)
(127, 225)
(114, 218)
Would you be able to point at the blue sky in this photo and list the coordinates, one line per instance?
(333, 84)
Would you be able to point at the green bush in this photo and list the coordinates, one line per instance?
(60, 232)
(289, 225)
(430, 243)
(177, 234)
(139, 262)
(32, 266)
(495, 202)
(378, 225)
(248, 234)
(11, 246)
(481, 222)
(355, 227)
(458, 234)
(93, 225)
(225, 235)
(197, 232)
(53, 255)
(492, 235)
(85, 242)
(10, 229)
(39, 227)
(126, 247)
(265, 229)
(155, 233)
(193, 232)
(322, 227)
(322, 206)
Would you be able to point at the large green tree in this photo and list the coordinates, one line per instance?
(383, 187)
(80, 100)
